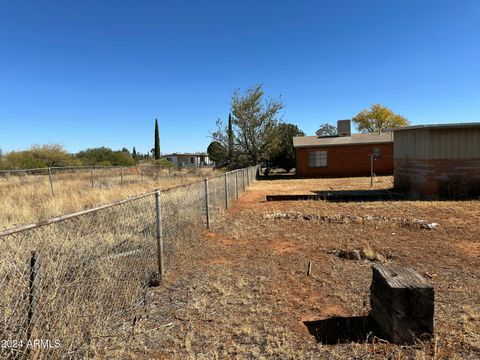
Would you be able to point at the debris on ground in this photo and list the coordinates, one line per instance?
(366, 253)
(355, 219)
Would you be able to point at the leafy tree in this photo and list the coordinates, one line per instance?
(104, 156)
(156, 154)
(253, 118)
(39, 156)
(2, 160)
(230, 138)
(281, 152)
(378, 119)
(217, 152)
(326, 130)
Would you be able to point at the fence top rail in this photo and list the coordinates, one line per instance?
(85, 167)
(60, 218)
(26, 227)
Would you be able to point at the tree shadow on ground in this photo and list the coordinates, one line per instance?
(341, 330)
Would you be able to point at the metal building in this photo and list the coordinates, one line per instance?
(438, 160)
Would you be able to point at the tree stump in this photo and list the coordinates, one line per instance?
(402, 303)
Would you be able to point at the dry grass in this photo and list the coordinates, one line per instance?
(244, 293)
(95, 269)
(26, 199)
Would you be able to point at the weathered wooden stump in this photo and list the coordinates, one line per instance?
(402, 303)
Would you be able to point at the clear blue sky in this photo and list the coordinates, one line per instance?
(92, 73)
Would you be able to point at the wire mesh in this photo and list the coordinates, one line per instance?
(183, 215)
(241, 181)
(232, 186)
(98, 177)
(216, 195)
(93, 267)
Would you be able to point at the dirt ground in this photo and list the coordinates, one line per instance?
(243, 290)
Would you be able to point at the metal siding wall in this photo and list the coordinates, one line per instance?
(462, 143)
(411, 144)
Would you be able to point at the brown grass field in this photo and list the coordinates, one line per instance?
(27, 199)
(243, 290)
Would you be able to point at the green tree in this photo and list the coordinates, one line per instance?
(326, 130)
(378, 119)
(281, 152)
(253, 118)
(104, 156)
(230, 138)
(39, 156)
(217, 152)
(156, 154)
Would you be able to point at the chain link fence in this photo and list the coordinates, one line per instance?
(69, 282)
(96, 177)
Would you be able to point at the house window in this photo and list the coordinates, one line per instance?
(317, 159)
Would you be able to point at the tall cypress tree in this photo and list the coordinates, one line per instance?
(230, 138)
(134, 153)
(157, 142)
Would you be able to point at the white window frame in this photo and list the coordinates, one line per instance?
(317, 158)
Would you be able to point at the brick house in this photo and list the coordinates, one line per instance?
(344, 154)
(438, 160)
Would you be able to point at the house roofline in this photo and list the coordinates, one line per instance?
(438, 126)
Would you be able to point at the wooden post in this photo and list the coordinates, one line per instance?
(226, 191)
(91, 176)
(158, 208)
(207, 205)
(50, 178)
(236, 184)
(121, 175)
(402, 303)
(32, 292)
(248, 176)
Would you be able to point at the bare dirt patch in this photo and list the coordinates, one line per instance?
(243, 291)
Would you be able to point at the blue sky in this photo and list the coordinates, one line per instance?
(92, 73)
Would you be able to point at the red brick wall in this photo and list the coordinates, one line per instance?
(438, 178)
(346, 160)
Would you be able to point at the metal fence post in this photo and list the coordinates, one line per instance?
(91, 175)
(121, 175)
(248, 176)
(207, 205)
(226, 191)
(32, 292)
(158, 208)
(236, 183)
(50, 178)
